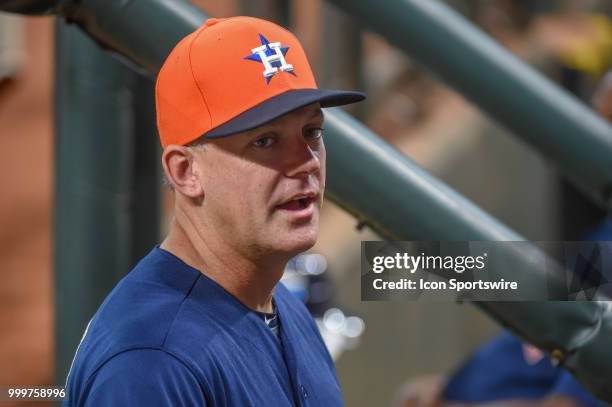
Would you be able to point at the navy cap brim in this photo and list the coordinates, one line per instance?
(282, 104)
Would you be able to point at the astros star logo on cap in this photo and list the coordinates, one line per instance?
(272, 56)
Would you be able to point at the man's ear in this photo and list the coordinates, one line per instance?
(182, 170)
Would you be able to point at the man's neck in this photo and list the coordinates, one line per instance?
(251, 281)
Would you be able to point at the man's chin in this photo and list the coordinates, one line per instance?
(297, 241)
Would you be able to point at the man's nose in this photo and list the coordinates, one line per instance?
(302, 159)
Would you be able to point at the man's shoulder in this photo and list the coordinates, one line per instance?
(142, 307)
(139, 312)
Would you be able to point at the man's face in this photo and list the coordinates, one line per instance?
(263, 188)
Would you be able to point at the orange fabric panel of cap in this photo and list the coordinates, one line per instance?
(214, 74)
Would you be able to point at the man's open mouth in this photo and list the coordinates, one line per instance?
(297, 204)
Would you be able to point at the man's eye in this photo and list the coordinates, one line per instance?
(314, 133)
(263, 142)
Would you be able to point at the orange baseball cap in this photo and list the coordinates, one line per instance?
(232, 75)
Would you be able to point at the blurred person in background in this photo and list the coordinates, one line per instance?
(602, 101)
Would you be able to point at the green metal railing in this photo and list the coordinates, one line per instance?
(106, 200)
(92, 233)
(535, 109)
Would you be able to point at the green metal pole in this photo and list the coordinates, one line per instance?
(107, 186)
(508, 90)
(92, 232)
(393, 195)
